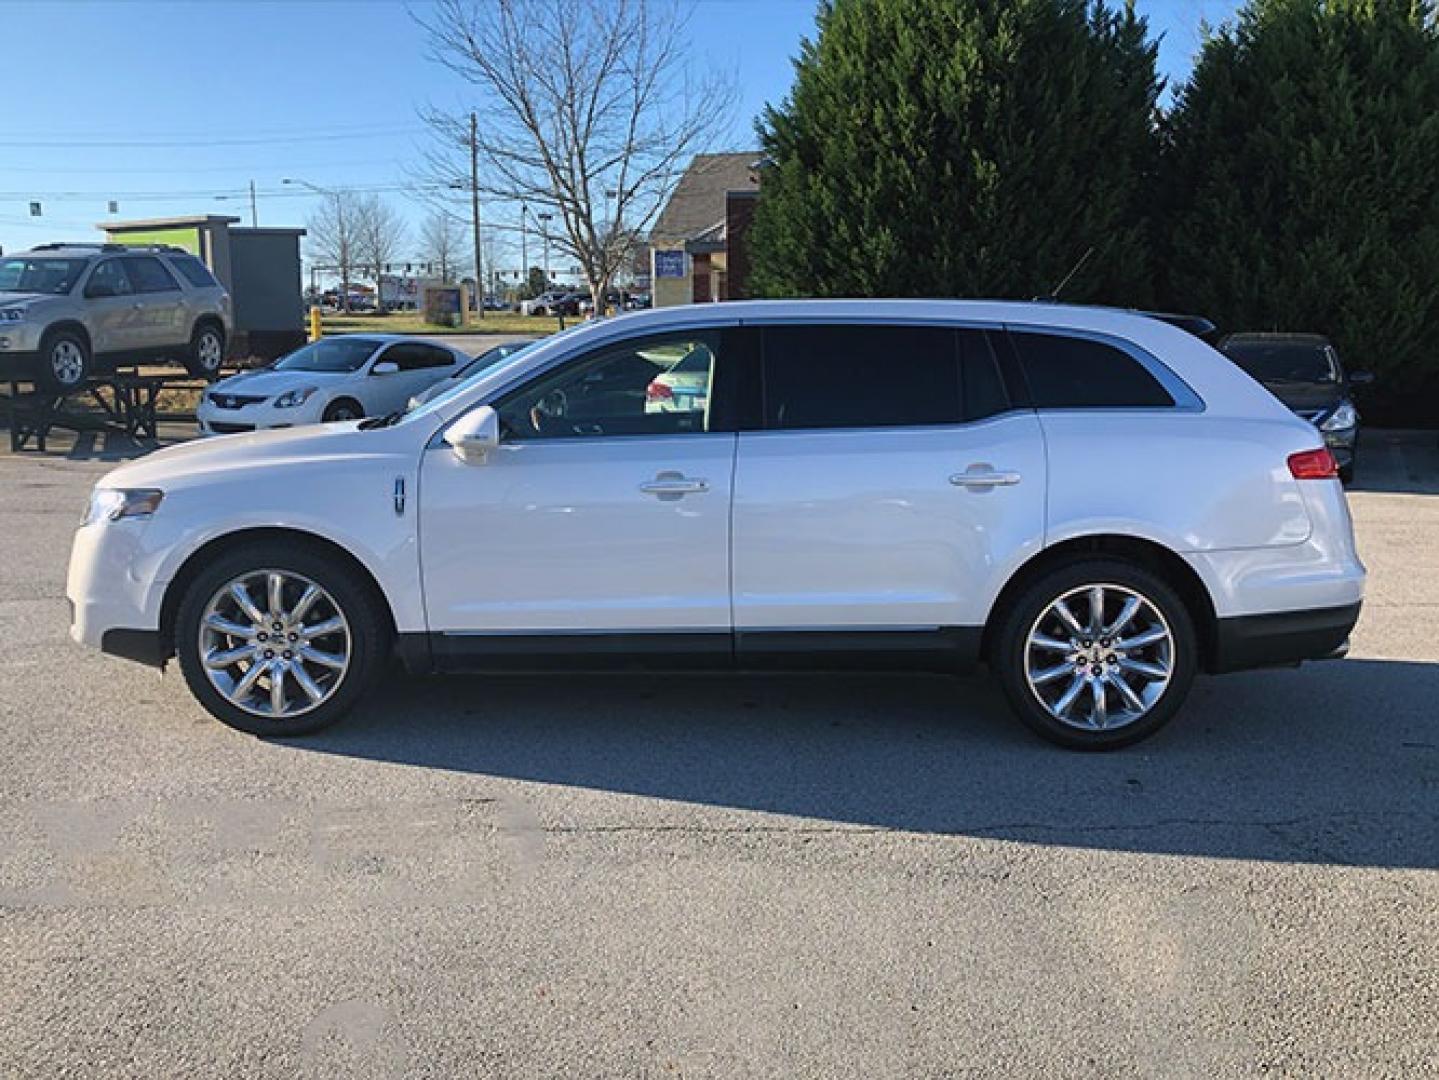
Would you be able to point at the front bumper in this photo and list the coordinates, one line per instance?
(264, 416)
(113, 591)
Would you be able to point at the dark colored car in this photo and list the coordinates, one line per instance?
(1304, 372)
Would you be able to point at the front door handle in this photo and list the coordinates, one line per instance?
(983, 476)
(669, 486)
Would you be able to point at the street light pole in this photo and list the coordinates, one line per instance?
(344, 241)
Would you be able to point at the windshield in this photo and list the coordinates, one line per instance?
(335, 354)
(488, 359)
(1285, 361)
(29, 275)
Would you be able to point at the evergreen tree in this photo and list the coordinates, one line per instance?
(1302, 181)
(962, 148)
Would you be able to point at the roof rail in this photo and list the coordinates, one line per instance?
(61, 245)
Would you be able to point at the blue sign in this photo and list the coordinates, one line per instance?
(669, 264)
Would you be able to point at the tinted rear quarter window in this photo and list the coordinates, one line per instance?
(842, 376)
(1079, 373)
(194, 271)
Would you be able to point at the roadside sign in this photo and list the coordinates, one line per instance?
(669, 264)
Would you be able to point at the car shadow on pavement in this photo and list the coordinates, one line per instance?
(1337, 763)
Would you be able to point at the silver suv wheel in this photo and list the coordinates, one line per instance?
(274, 643)
(1099, 657)
(67, 362)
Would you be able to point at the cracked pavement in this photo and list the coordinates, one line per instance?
(879, 876)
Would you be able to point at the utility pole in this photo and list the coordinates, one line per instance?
(524, 245)
(254, 212)
(475, 211)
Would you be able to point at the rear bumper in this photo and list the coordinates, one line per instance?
(1282, 638)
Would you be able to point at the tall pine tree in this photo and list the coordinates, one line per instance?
(1302, 183)
(962, 148)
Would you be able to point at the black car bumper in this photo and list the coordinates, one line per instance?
(1282, 638)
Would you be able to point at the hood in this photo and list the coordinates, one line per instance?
(1306, 397)
(13, 299)
(195, 462)
(268, 382)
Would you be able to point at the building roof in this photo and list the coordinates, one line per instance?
(166, 222)
(697, 205)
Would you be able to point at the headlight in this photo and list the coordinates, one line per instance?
(112, 504)
(291, 398)
(1342, 418)
(13, 314)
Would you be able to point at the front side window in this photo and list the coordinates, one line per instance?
(1079, 373)
(148, 275)
(337, 354)
(843, 376)
(658, 385)
(26, 275)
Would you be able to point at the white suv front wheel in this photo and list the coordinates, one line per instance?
(280, 639)
(1096, 654)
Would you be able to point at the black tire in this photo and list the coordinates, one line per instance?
(370, 636)
(1008, 656)
(343, 409)
(206, 354)
(65, 362)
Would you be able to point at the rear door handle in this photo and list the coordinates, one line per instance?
(673, 485)
(984, 476)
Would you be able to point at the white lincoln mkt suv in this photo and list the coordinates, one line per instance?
(1092, 502)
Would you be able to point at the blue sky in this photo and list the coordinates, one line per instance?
(166, 107)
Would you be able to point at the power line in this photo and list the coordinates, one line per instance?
(199, 142)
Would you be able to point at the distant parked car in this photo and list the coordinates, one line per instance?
(68, 311)
(486, 360)
(685, 387)
(637, 301)
(1304, 372)
(336, 378)
(554, 302)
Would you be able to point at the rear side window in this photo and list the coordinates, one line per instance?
(194, 271)
(843, 376)
(1077, 373)
(148, 274)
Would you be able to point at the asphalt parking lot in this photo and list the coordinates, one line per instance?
(720, 877)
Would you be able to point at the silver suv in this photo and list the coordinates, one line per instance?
(68, 311)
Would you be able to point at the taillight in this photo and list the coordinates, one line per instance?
(1313, 465)
(658, 391)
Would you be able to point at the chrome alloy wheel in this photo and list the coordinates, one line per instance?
(67, 362)
(1099, 657)
(274, 643)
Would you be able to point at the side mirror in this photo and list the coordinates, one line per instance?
(474, 435)
(1361, 378)
(98, 289)
(385, 367)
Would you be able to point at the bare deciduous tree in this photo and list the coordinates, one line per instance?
(588, 107)
(379, 235)
(332, 234)
(442, 244)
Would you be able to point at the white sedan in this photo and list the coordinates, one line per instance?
(335, 378)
